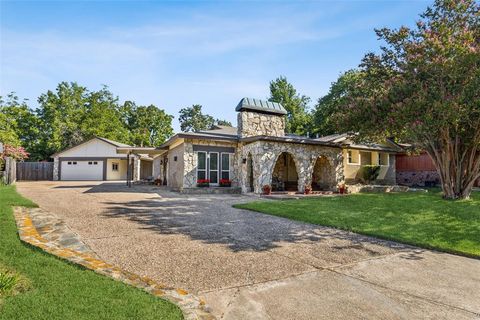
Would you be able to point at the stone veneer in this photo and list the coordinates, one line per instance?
(190, 161)
(258, 124)
(265, 154)
(417, 178)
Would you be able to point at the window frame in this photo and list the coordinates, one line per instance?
(198, 164)
(115, 166)
(210, 169)
(229, 165)
(350, 157)
(387, 159)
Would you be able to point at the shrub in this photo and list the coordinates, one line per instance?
(370, 173)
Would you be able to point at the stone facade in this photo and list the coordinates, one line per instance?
(257, 124)
(418, 178)
(265, 154)
(56, 164)
(190, 161)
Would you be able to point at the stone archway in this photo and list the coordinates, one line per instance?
(284, 174)
(323, 175)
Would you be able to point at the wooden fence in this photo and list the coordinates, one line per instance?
(421, 162)
(34, 171)
(8, 173)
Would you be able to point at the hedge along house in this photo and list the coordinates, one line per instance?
(99, 159)
(259, 152)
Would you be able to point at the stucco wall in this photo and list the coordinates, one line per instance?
(353, 171)
(121, 174)
(176, 168)
(257, 124)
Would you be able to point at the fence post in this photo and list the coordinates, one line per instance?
(10, 171)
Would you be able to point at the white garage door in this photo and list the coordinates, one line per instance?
(82, 170)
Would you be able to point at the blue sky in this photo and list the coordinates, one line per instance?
(175, 54)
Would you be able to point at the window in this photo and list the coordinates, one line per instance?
(95, 162)
(90, 162)
(225, 166)
(69, 162)
(74, 162)
(202, 166)
(213, 157)
(114, 166)
(352, 157)
(383, 159)
(175, 158)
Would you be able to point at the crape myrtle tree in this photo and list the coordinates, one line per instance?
(424, 88)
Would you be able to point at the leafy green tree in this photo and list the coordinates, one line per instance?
(299, 119)
(223, 123)
(148, 125)
(103, 117)
(328, 105)
(73, 114)
(192, 119)
(19, 125)
(423, 88)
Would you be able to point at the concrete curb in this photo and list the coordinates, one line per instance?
(191, 306)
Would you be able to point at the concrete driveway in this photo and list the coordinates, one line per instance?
(253, 266)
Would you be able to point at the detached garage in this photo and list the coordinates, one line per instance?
(95, 159)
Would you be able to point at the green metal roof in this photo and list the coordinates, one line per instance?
(260, 106)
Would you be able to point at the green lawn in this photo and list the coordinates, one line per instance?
(421, 219)
(60, 290)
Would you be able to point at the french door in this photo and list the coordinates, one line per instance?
(213, 167)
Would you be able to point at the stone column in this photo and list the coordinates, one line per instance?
(56, 164)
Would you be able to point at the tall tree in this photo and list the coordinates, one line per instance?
(19, 125)
(73, 114)
(192, 119)
(424, 88)
(299, 119)
(148, 125)
(223, 123)
(328, 105)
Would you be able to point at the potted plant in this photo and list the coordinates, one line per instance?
(307, 189)
(267, 189)
(203, 183)
(225, 183)
(342, 188)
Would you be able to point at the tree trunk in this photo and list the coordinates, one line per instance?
(457, 164)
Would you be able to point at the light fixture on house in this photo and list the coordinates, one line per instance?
(244, 160)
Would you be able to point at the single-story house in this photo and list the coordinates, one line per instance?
(258, 152)
(98, 159)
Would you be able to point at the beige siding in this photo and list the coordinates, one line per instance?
(121, 174)
(92, 148)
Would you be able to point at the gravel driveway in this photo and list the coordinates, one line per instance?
(253, 266)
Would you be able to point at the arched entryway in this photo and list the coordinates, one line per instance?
(250, 184)
(323, 176)
(285, 175)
